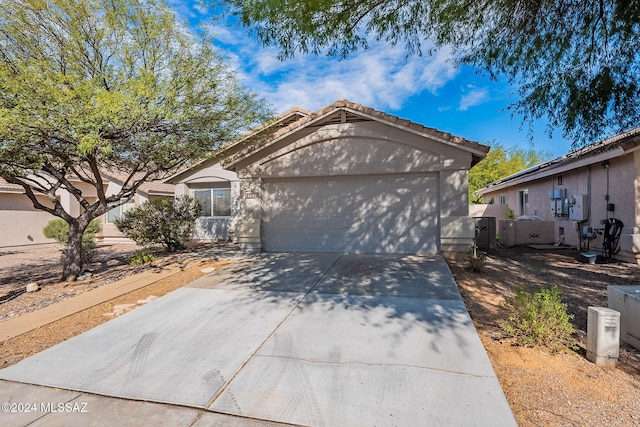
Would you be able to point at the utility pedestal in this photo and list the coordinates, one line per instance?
(603, 336)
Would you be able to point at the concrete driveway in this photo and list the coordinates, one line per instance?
(305, 339)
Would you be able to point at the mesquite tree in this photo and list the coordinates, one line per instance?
(93, 88)
(575, 62)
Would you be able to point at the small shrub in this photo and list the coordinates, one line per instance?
(476, 258)
(58, 229)
(161, 222)
(540, 318)
(141, 258)
(510, 214)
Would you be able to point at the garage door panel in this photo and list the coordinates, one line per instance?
(388, 214)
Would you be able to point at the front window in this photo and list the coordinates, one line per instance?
(118, 212)
(214, 201)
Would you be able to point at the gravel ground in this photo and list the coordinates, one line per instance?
(546, 389)
(43, 267)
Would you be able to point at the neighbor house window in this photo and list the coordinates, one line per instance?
(502, 199)
(524, 201)
(116, 213)
(214, 201)
(559, 179)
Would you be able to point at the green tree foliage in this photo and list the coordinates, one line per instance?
(58, 230)
(500, 163)
(161, 222)
(575, 62)
(94, 87)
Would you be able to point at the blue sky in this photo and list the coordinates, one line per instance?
(427, 90)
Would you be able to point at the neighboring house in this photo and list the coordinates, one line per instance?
(581, 190)
(345, 179)
(26, 222)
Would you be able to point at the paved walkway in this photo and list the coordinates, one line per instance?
(308, 339)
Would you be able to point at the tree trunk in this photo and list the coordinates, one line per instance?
(73, 259)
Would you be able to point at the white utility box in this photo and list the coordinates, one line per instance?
(626, 300)
(603, 336)
(579, 208)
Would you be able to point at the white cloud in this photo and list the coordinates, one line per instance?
(472, 98)
(381, 77)
(224, 33)
(439, 72)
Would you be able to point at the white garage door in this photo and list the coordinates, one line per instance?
(363, 214)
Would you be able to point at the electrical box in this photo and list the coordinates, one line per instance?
(558, 194)
(626, 300)
(578, 209)
(603, 335)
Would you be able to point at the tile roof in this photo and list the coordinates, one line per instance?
(358, 111)
(156, 187)
(6, 187)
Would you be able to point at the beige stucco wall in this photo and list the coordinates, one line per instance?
(27, 222)
(494, 210)
(22, 224)
(591, 181)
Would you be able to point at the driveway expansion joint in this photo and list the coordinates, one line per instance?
(371, 364)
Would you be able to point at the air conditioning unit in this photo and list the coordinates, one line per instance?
(626, 300)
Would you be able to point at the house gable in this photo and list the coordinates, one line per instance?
(345, 117)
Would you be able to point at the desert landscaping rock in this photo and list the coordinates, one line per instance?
(33, 287)
(146, 300)
(208, 270)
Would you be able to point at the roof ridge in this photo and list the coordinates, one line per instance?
(343, 103)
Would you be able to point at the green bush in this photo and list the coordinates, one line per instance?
(141, 258)
(58, 229)
(164, 222)
(540, 318)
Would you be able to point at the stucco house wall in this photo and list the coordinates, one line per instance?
(331, 162)
(593, 177)
(21, 223)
